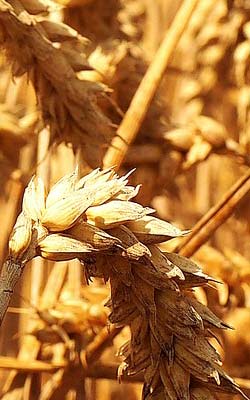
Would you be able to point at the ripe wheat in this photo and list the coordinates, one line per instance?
(93, 219)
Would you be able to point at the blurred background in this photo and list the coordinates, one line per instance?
(191, 148)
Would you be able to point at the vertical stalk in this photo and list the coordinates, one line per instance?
(141, 101)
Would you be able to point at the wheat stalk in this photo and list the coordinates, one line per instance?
(215, 217)
(140, 103)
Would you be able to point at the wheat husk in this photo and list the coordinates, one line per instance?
(148, 292)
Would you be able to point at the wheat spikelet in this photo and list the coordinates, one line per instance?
(52, 54)
(150, 290)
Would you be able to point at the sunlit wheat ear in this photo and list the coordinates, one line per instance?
(53, 55)
(93, 219)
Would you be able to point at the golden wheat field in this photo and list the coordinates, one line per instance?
(124, 199)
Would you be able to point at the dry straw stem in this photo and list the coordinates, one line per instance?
(140, 103)
(10, 275)
(97, 371)
(215, 217)
(31, 366)
(30, 345)
(98, 345)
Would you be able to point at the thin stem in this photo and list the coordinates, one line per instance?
(31, 366)
(98, 345)
(140, 103)
(215, 217)
(10, 275)
(54, 285)
(97, 371)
